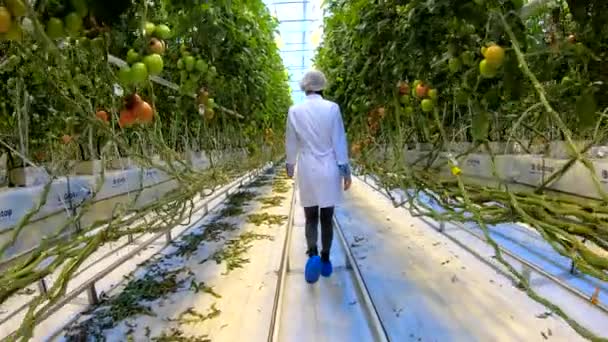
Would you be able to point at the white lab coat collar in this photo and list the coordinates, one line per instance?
(313, 96)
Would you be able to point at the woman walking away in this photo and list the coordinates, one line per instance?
(315, 138)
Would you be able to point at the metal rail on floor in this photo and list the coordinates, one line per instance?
(527, 266)
(89, 285)
(373, 318)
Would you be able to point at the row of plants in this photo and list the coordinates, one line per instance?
(60, 87)
(85, 80)
(436, 73)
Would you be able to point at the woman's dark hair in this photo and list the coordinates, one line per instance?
(320, 92)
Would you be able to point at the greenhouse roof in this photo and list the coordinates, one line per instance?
(300, 32)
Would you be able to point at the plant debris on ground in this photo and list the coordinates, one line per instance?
(235, 249)
(191, 316)
(269, 219)
(271, 202)
(176, 335)
(158, 282)
(235, 203)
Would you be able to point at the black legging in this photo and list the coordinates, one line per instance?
(312, 231)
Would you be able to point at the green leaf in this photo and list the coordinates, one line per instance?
(586, 108)
(480, 125)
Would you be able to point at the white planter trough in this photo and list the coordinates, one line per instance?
(88, 167)
(122, 164)
(29, 176)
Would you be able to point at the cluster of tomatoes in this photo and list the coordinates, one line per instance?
(140, 68)
(192, 69)
(136, 111)
(10, 28)
(206, 104)
(374, 118)
(421, 91)
(494, 56)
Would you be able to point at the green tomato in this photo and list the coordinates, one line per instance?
(405, 99)
(149, 28)
(163, 31)
(14, 33)
(201, 65)
(133, 56)
(409, 110)
(189, 63)
(518, 4)
(73, 23)
(80, 6)
(211, 103)
(54, 28)
(154, 63)
(486, 70)
(427, 105)
(16, 7)
(454, 65)
(99, 44)
(432, 94)
(139, 72)
(124, 75)
(84, 42)
(580, 48)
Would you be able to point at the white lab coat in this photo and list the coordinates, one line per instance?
(316, 143)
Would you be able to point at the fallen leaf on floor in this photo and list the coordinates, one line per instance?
(544, 335)
(388, 218)
(454, 279)
(492, 281)
(544, 315)
(354, 245)
(353, 302)
(445, 262)
(398, 311)
(437, 244)
(549, 332)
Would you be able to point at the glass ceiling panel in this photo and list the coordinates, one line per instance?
(300, 33)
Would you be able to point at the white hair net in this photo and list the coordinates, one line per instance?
(313, 81)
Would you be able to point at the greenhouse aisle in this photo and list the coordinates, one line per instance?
(329, 310)
(427, 288)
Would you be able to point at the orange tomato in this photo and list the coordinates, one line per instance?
(66, 139)
(102, 115)
(143, 112)
(404, 88)
(5, 19)
(421, 90)
(126, 119)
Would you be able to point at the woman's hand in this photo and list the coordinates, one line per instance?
(347, 183)
(345, 173)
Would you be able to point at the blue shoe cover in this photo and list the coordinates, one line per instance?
(326, 268)
(312, 272)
